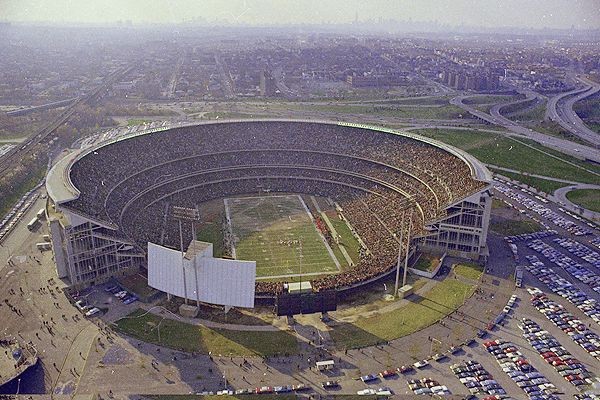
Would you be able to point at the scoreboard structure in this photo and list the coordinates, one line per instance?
(290, 304)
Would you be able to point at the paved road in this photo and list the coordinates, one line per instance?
(529, 96)
(565, 146)
(561, 195)
(560, 110)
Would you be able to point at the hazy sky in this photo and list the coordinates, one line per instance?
(490, 13)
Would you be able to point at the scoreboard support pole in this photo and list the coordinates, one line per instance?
(399, 258)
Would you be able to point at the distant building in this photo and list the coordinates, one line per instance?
(386, 80)
(268, 86)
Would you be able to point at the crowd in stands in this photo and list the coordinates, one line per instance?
(380, 180)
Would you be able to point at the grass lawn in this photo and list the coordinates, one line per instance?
(192, 338)
(512, 227)
(347, 238)
(587, 198)
(137, 284)
(469, 271)
(491, 99)
(278, 233)
(544, 185)
(444, 112)
(536, 113)
(506, 152)
(554, 129)
(421, 101)
(426, 263)
(131, 122)
(211, 232)
(419, 313)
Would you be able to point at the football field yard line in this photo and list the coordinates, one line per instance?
(273, 231)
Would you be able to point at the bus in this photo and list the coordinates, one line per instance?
(33, 224)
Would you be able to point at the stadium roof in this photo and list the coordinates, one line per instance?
(58, 184)
(61, 189)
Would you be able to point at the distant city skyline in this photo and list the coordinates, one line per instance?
(561, 14)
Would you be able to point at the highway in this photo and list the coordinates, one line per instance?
(560, 110)
(565, 146)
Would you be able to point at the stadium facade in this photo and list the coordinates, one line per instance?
(88, 208)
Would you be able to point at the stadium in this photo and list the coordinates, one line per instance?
(326, 201)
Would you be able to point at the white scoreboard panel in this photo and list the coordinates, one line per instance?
(216, 280)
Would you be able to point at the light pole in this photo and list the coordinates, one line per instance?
(407, 251)
(192, 215)
(399, 257)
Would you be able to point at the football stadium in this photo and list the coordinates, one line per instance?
(333, 203)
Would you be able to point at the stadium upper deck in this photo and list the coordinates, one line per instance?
(116, 195)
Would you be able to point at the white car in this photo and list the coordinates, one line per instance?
(366, 392)
(92, 312)
(121, 294)
(80, 304)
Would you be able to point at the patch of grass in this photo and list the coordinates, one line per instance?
(544, 185)
(444, 112)
(484, 107)
(137, 284)
(419, 313)
(131, 122)
(536, 113)
(554, 129)
(507, 152)
(426, 263)
(587, 198)
(228, 115)
(421, 101)
(211, 232)
(512, 227)
(485, 99)
(12, 196)
(192, 338)
(469, 271)
(347, 238)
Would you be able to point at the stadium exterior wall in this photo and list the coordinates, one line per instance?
(89, 251)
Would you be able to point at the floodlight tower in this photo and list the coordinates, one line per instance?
(192, 215)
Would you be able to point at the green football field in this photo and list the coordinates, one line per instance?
(278, 233)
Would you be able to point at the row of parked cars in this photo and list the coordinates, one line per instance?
(580, 250)
(285, 389)
(526, 237)
(595, 242)
(544, 211)
(564, 288)
(86, 309)
(575, 269)
(123, 295)
(427, 386)
(477, 379)
(567, 322)
(550, 349)
(517, 367)
(10, 220)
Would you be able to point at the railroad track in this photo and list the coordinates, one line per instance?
(10, 159)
